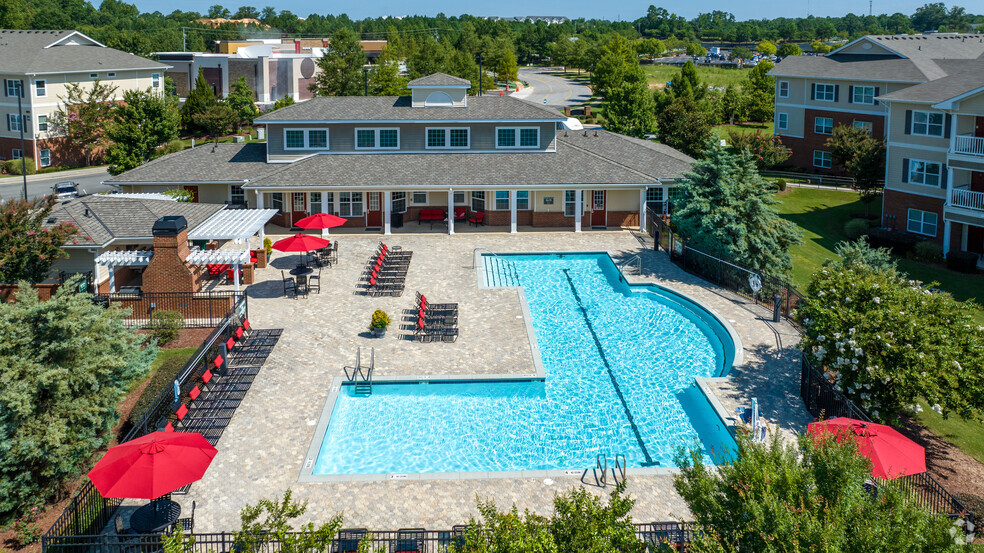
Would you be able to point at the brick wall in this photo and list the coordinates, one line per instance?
(239, 68)
(213, 76)
(61, 152)
(190, 307)
(802, 148)
(168, 271)
(44, 291)
(181, 85)
(898, 204)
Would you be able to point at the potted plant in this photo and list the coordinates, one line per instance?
(380, 320)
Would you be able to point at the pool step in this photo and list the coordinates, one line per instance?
(500, 272)
(363, 389)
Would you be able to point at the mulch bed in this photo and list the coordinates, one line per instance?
(958, 472)
(187, 338)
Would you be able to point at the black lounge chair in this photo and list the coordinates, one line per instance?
(409, 540)
(347, 541)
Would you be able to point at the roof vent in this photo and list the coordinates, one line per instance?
(585, 133)
(52, 220)
(170, 225)
(87, 211)
(596, 133)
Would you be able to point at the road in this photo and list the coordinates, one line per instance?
(40, 185)
(558, 91)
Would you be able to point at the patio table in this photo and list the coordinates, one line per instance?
(155, 516)
(301, 270)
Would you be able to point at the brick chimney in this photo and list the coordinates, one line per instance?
(168, 271)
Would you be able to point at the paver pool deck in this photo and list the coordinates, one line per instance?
(264, 447)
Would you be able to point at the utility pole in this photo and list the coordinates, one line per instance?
(20, 115)
(184, 40)
(365, 81)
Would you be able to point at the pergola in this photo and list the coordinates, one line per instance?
(128, 258)
(233, 224)
(236, 258)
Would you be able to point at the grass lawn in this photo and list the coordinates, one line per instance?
(721, 131)
(712, 76)
(165, 354)
(966, 435)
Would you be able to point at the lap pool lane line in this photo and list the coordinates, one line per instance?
(618, 391)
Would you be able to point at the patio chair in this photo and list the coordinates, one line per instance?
(409, 540)
(347, 541)
(120, 527)
(301, 285)
(460, 213)
(314, 282)
(477, 219)
(334, 252)
(188, 524)
(289, 284)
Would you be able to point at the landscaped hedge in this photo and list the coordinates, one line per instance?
(164, 376)
(964, 262)
(901, 243)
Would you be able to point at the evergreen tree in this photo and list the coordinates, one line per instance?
(429, 57)
(200, 99)
(507, 69)
(727, 210)
(629, 110)
(684, 126)
(341, 66)
(385, 78)
(687, 83)
(864, 158)
(141, 124)
(617, 65)
(761, 92)
(242, 100)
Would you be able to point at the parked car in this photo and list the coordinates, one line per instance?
(66, 190)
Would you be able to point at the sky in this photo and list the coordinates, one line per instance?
(626, 10)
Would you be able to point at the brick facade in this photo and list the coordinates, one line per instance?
(168, 271)
(61, 154)
(802, 148)
(897, 204)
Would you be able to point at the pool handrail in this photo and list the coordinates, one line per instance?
(622, 265)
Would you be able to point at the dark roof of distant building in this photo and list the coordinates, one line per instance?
(962, 78)
(43, 52)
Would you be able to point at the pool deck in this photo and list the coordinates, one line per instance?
(265, 446)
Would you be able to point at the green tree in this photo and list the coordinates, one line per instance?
(65, 364)
(217, 11)
(581, 522)
(687, 83)
(859, 328)
(727, 210)
(507, 69)
(216, 120)
(82, 117)
(341, 66)
(790, 49)
(821, 47)
(617, 65)
(696, 50)
(650, 47)
(283, 102)
(776, 497)
(507, 532)
(734, 105)
(767, 151)
(199, 100)
(269, 521)
(863, 156)
(385, 79)
(629, 110)
(767, 47)
(682, 125)
(27, 247)
(246, 12)
(761, 90)
(242, 100)
(741, 53)
(141, 124)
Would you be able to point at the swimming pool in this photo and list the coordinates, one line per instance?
(619, 364)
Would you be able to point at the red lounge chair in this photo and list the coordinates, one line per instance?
(477, 219)
(460, 213)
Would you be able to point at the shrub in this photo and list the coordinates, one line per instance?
(165, 325)
(766, 150)
(928, 251)
(26, 530)
(15, 166)
(855, 228)
(781, 183)
(161, 379)
(964, 262)
(173, 147)
(901, 243)
(379, 319)
(268, 246)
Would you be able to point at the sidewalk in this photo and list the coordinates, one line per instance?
(67, 175)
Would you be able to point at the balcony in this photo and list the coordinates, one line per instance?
(968, 144)
(968, 199)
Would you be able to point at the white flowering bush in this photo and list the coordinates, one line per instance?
(887, 341)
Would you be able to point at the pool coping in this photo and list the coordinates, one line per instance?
(321, 428)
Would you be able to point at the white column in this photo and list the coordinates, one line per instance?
(387, 208)
(450, 211)
(578, 211)
(949, 186)
(642, 210)
(235, 275)
(512, 210)
(946, 237)
(259, 205)
(112, 278)
(324, 209)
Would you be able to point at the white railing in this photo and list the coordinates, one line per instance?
(970, 199)
(969, 144)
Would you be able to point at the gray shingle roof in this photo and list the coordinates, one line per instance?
(963, 77)
(227, 163)
(849, 67)
(439, 79)
(604, 159)
(103, 218)
(937, 46)
(398, 108)
(28, 52)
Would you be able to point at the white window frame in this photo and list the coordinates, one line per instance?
(478, 196)
(111, 75)
(919, 171)
(464, 197)
(399, 197)
(929, 125)
(516, 136)
(520, 201)
(571, 204)
(44, 157)
(866, 125)
(496, 199)
(819, 128)
(14, 121)
(826, 159)
(93, 75)
(42, 121)
(827, 87)
(783, 89)
(345, 206)
(294, 203)
(12, 86)
(16, 153)
(277, 201)
(306, 133)
(319, 201)
(233, 194)
(375, 136)
(413, 198)
(447, 138)
(40, 90)
(921, 222)
(782, 121)
(865, 93)
(654, 194)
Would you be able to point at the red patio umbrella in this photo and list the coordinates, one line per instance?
(320, 220)
(892, 454)
(300, 243)
(152, 465)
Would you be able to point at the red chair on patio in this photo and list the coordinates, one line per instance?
(460, 213)
(477, 219)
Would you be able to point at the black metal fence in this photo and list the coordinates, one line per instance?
(200, 310)
(732, 275)
(85, 286)
(87, 513)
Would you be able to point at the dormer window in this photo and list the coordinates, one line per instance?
(517, 137)
(377, 139)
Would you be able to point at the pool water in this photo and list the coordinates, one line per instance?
(620, 363)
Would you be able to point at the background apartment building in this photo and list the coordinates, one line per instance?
(39, 65)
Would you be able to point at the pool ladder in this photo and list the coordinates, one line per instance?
(618, 469)
(362, 376)
(622, 265)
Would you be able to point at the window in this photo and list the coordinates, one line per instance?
(784, 89)
(866, 125)
(921, 222)
(447, 138)
(382, 139)
(350, 204)
(13, 87)
(236, 194)
(782, 121)
(315, 202)
(93, 75)
(305, 139)
(517, 137)
(45, 157)
(16, 153)
(677, 192)
(522, 200)
(418, 198)
(927, 124)
(598, 199)
(478, 201)
(399, 202)
(329, 199)
(155, 80)
(502, 199)
(373, 198)
(13, 122)
(459, 198)
(823, 125)
(42, 123)
(821, 159)
(277, 201)
(925, 172)
(570, 201)
(863, 95)
(825, 92)
(40, 88)
(298, 202)
(654, 194)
